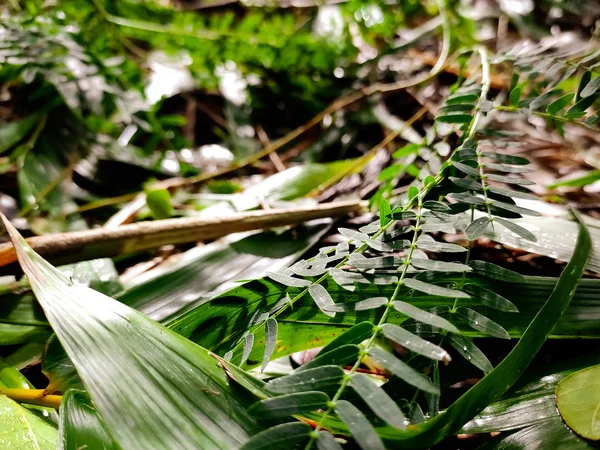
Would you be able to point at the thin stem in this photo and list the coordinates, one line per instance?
(32, 397)
(546, 116)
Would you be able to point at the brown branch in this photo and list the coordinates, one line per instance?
(107, 242)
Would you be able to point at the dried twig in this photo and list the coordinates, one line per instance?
(108, 242)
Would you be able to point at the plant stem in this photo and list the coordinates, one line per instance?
(32, 397)
(546, 116)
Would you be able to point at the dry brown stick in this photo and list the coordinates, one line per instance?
(102, 242)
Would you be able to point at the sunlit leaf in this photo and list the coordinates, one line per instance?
(378, 400)
(433, 289)
(22, 429)
(271, 341)
(439, 266)
(403, 371)
(322, 298)
(362, 430)
(465, 347)
(326, 441)
(414, 343)
(424, 316)
(496, 272)
(477, 228)
(288, 404)
(490, 298)
(481, 323)
(517, 229)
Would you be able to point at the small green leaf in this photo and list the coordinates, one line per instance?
(490, 298)
(13, 132)
(289, 404)
(399, 214)
(322, 298)
(511, 193)
(159, 202)
(578, 401)
(286, 435)
(317, 379)
(434, 246)
(270, 341)
(439, 266)
(433, 289)
(585, 79)
(590, 88)
(496, 272)
(458, 108)
(469, 170)
(481, 323)
(362, 431)
(362, 305)
(559, 104)
(353, 234)
(466, 183)
(507, 159)
(509, 180)
(515, 96)
(355, 335)
(340, 356)
(465, 347)
(424, 316)
(413, 191)
(248, 343)
(436, 206)
(414, 343)
(378, 400)
(384, 212)
(477, 228)
(326, 441)
(406, 150)
(286, 280)
(517, 229)
(514, 208)
(403, 371)
(455, 118)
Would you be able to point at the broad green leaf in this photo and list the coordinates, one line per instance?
(286, 435)
(80, 425)
(355, 335)
(362, 430)
(433, 289)
(462, 99)
(439, 266)
(414, 343)
(477, 228)
(378, 400)
(578, 400)
(514, 208)
(490, 298)
(403, 371)
(326, 441)
(496, 272)
(289, 404)
(319, 378)
(465, 347)
(424, 316)
(412, 192)
(135, 368)
(13, 132)
(159, 202)
(517, 229)
(340, 356)
(22, 429)
(271, 340)
(481, 323)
